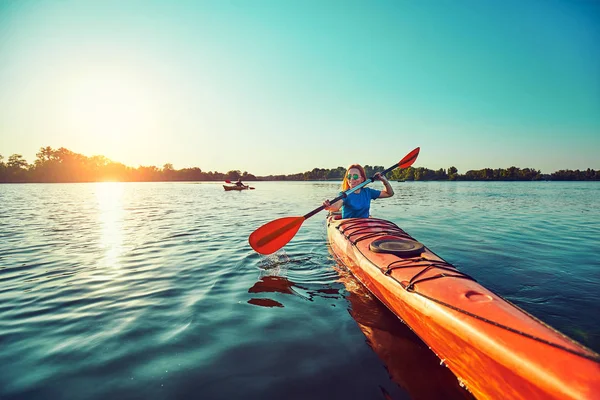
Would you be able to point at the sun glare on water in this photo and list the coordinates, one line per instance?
(110, 215)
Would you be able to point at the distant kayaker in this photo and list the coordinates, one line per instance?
(358, 203)
(239, 183)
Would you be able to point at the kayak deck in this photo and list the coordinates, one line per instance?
(496, 349)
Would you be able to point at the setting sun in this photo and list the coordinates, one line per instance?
(109, 107)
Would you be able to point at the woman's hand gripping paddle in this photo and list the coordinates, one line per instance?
(275, 234)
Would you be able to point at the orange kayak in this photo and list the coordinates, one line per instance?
(494, 348)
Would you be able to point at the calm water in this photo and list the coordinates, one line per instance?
(150, 290)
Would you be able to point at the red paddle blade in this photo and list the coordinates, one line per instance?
(409, 159)
(274, 235)
(251, 188)
(227, 181)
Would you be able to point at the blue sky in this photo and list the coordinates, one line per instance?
(278, 87)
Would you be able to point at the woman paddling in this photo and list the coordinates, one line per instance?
(358, 203)
(239, 183)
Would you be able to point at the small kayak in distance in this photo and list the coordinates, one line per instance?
(235, 187)
(494, 348)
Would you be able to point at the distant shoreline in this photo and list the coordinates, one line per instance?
(64, 166)
(290, 180)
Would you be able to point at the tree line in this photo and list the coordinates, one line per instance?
(62, 165)
(450, 174)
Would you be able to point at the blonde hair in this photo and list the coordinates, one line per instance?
(345, 184)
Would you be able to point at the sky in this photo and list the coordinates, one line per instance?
(281, 87)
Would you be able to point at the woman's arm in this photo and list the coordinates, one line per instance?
(333, 207)
(387, 191)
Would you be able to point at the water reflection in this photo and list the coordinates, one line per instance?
(272, 280)
(110, 216)
(409, 362)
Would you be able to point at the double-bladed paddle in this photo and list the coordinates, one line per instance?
(275, 234)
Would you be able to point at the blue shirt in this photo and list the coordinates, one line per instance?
(357, 205)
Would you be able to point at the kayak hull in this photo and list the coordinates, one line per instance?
(494, 348)
(229, 188)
